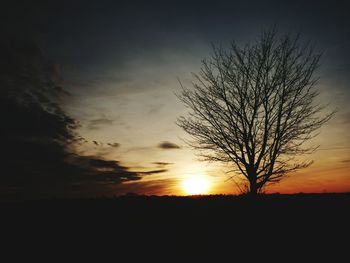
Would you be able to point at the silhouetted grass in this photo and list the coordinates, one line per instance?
(176, 209)
(293, 222)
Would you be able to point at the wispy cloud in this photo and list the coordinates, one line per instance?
(162, 163)
(166, 145)
(153, 172)
(114, 144)
(152, 187)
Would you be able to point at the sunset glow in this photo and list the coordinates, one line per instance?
(93, 104)
(196, 185)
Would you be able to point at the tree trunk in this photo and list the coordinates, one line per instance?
(253, 190)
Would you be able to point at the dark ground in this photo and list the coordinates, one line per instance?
(300, 226)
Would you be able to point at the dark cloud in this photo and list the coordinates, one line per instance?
(98, 123)
(162, 163)
(38, 137)
(168, 145)
(100, 170)
(154, 172)
(114, 144)
(35, 130)
(345, 161)
(152, 187)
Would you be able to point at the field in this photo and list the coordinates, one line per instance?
(277, 222)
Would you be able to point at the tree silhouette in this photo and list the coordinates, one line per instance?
(253, 107)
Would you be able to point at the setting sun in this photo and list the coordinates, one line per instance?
(196, 185)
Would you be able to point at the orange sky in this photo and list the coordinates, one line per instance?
(140, 120)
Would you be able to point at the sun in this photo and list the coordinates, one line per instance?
(196, 185)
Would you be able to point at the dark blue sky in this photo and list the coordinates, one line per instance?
(86, 32)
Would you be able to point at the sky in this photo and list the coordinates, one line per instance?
(121, 61)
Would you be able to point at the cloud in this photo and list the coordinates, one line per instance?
(152, 187)
(345, 161)
(162, 163)
(168, 145)
(100, 170)
(114, 145)
(153, 172)
(97, 123)
(38, 136)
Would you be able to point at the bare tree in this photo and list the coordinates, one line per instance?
(253, 107)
